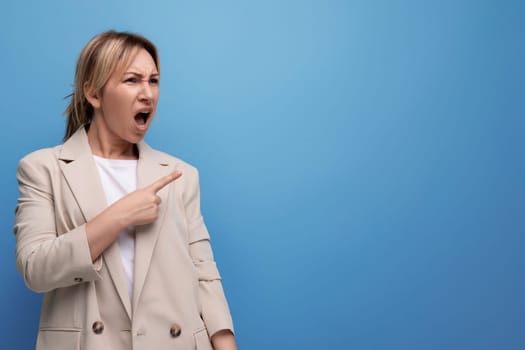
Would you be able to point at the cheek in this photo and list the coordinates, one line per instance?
(117, 106)
(156, 94)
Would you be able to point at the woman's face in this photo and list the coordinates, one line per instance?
(128, 101)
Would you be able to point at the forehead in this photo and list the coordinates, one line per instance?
(139, 61)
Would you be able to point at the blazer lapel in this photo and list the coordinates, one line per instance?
(151, 166)
(81, 173)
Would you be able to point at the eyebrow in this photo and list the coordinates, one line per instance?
(139, 74)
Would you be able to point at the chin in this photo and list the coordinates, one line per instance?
(135, 138)
(138, 139)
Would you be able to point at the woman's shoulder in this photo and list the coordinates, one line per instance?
(43, 157)
(40, 165)
(176, 161)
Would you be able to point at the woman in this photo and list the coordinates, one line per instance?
(109, 228)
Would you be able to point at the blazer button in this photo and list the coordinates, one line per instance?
(175, 330)
(98, 327)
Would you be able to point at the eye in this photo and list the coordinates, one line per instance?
(131, 80)
(154, 81)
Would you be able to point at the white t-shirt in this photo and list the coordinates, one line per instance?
(119, 177)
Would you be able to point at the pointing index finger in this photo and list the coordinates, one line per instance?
(164, 181)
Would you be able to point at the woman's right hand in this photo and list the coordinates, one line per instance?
(139, 207)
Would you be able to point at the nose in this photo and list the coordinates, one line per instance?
(146, 94)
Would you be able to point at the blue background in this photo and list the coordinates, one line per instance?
(362, 162)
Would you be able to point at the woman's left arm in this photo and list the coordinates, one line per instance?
(223, 340)
(215, 310)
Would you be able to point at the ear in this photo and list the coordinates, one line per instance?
(92, 96)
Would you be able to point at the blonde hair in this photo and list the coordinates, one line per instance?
(96, 63)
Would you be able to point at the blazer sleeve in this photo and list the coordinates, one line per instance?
(46, 259)
(215, 310)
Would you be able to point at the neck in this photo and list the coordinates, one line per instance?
(107, 145)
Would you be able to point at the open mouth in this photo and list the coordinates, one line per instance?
(142, 117)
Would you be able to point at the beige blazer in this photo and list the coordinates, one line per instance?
(178, 300)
